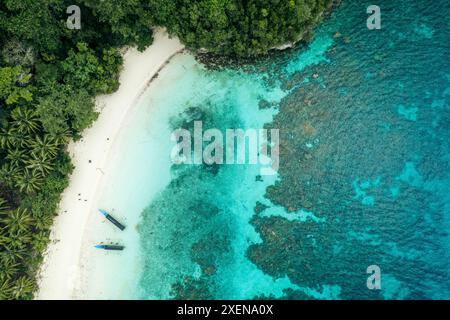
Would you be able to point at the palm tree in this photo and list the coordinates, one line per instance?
(5, 289)
(41, 162)
(23, 288)
(8, 174)
(10, 138)
(3, 237)
(47, 145)
(43, 222)
(40, 241)
(11, 255)
(3, 206)
(25, 120)
(18, 241)
(8, 269)
(18, 221)
(4, 136)
(62, 137)
(29, 181)
(16, 156)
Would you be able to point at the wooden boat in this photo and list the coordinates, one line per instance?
(112, 219)
(110, 247)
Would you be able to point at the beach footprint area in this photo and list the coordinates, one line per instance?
(363, 179)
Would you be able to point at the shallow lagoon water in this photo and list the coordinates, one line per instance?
(364, 175)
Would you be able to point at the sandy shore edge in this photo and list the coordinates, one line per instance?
(61, 266)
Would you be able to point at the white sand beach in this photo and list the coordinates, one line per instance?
(60, 273)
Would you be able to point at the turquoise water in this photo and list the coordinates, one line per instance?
(364, 178)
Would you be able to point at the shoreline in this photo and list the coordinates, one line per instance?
(60, 270)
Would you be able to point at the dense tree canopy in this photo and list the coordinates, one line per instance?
(236, 27)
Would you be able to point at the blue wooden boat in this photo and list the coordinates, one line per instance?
(110, 247)
(112, 219)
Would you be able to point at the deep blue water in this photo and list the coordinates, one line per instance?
(364, 119)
